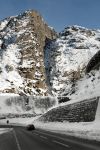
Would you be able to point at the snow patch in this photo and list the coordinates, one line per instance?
(89, 130)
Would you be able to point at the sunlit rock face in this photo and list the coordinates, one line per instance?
(35, 60)
(22, 41)
(68, 57)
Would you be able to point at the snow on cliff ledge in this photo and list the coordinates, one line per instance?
(22, 39)
(23, 60)
(68, 57)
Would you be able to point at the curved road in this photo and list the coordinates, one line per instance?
(21, 139)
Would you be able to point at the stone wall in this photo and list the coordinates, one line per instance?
(97, 117)
(83, 111)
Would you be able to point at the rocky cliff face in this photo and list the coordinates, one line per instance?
(68, 57)
(22, 41)
(34, 60)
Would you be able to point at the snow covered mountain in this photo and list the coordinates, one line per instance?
(34, 60)
(22, 41)
(66, 63)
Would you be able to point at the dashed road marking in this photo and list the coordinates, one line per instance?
(85, 145)
(39, 132)
(36, 134)
(17, 142)
(43, 137)
(61, 143)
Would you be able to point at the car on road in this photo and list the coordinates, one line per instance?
(30, 127)
(7, 121)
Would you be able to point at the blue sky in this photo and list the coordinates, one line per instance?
(57, 13)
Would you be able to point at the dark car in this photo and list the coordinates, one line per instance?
(30, 127)
(7, 121)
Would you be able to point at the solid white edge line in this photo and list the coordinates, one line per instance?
(61, 143)
(18, 145)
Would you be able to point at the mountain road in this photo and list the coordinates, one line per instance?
(19, 138)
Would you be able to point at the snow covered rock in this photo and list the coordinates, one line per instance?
(66, 59)
(34, 60)
(22, 41)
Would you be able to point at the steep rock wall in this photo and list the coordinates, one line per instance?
(22, 41)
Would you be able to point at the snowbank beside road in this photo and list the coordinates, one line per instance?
(3, 130)
(17, 121)
(87, 130)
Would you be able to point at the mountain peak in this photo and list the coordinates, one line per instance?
(31, 12)
(34, 60)
(76, 29)
(69, 56)
(22, 41)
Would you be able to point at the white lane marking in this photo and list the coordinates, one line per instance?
(43, 137)
(61, 143)
(51, 135)
(18, 145)
(36, 134)
(93, 147)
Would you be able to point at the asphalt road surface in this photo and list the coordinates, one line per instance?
(21, 139)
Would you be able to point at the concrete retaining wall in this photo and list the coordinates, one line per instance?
(97, 117)
(83, 111)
